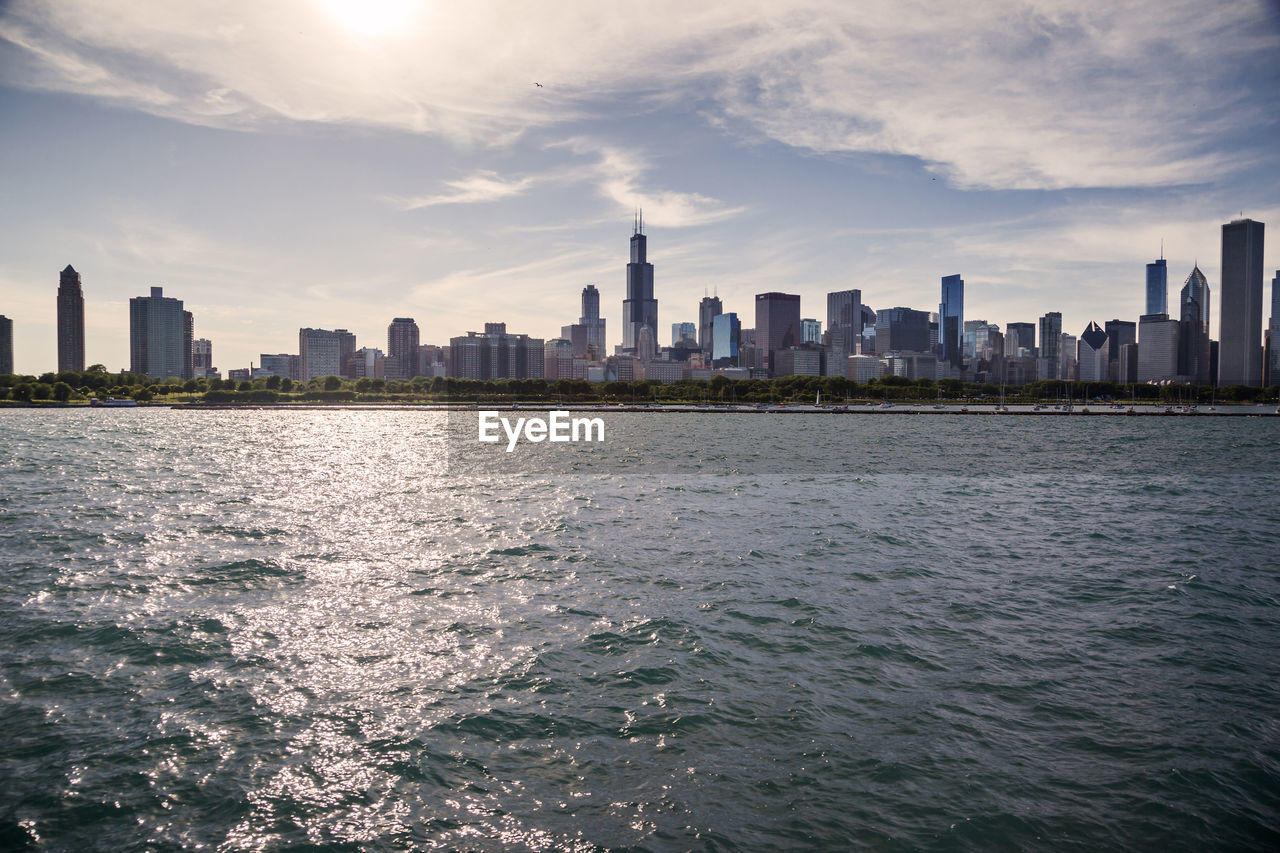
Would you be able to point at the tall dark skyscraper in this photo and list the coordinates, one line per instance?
(1240, 314)
(639, 309)
(1157, 287)
(777, 324)
(951, 318)
(1193, 332)
(159, 336)
(708, 309)
(70, 321)
(6, 345)
(402, 344)
(594, 323)
(844, 329)
(1050, 353)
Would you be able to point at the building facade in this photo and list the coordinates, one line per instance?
(708, 309)
(1092, 354)
(844, 329)
(1157, 348)
(1240, 312)
(495, 354)
(70, 321)
(159, 336)
(726, 338)
(1157, 287)
(322, 352)
(6, 345)
(951, 319)
(901, 330)
(402, 345)
(777, 324)
(1193, 336)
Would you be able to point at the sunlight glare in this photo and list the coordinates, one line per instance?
(372, 17)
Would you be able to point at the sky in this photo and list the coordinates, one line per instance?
(339, 163)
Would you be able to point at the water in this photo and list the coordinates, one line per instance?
(349, 631)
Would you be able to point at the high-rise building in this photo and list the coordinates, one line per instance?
(594, 323)
(1273, 334)
(402, 344)
(1119, 333)
(844, 329)
(1193, 337)
(639, 309)
(70, 321)
(322, 352)
(1091, 354)
(282, 364)
(684, 334)
(1240, 314)
(1157, 348)
(1049, 359)
(777, 324)
(497, 355)
(159, 336)
(901, 330)
(708, 309)
(6, 345)
(810, 331)
(201, 358)
(726, 337)
(1019, 336)
(1067, 357)
(1157, 287)
(951, 319)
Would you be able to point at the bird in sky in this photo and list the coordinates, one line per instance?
(539, 85)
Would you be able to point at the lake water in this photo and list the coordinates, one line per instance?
(363, 630)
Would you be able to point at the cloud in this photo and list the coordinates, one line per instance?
(480, 187)
(1007, 94)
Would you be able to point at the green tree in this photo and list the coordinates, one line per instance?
(143, 395)
(22, 392)
(62, 392)
(332, 383)
(273, 383)
(286, 384)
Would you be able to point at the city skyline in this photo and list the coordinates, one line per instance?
(336, 172)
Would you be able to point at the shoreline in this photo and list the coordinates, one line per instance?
(986, 409)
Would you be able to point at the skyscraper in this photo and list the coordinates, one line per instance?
(201, 357)
(6, 345)
(901, 330)
(1157, 348)
(951, 319)
(777, 324)
(810, 331)
(1157, 287)
(1091, 354)
(159, 336)
(726, 337)
(1119, 334)
(1049, 361)
(639, 309)
(324, 353)
(1240, 316)
(708, 310)
(1273, 334)
(1193, 336)
(402, 345)
(594, 323)
(844, 329)
(1019, 336)
(70, 321)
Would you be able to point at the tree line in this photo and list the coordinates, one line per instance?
(78, 386)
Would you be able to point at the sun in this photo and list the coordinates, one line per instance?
(372, 17)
